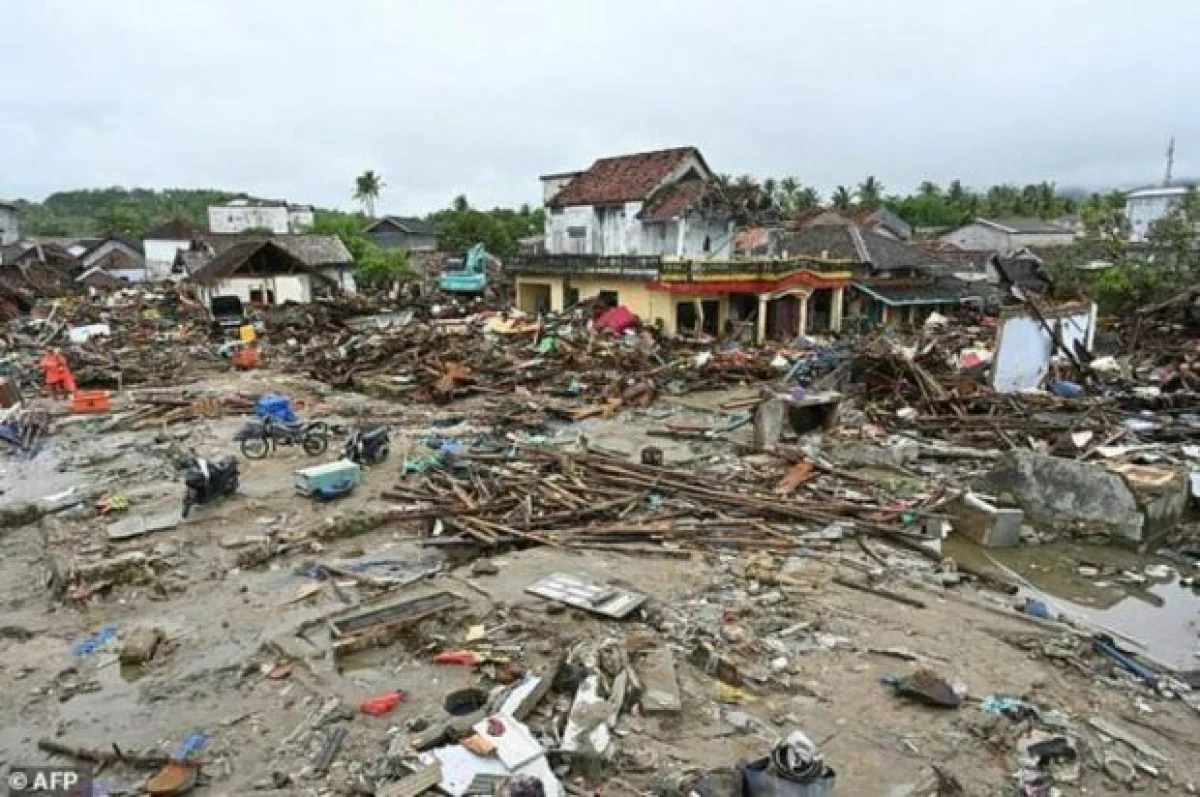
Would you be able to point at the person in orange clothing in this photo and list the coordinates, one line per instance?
(59, 379)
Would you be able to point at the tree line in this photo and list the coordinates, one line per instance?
(931, 205)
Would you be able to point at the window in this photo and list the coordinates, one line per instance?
(577, 232)
(570, 297)
(555, 211)
(609, 298)
(707, 244)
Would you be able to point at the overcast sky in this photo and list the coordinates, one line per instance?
(292, 98)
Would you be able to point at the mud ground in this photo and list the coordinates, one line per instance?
(227, 625)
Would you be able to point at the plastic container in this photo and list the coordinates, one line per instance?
(276, 407)
(90, 401)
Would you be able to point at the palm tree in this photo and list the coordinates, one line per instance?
(869, 192)
(956, 193)
(929, 190)
(1049, 200)
(841, 198)
(366, 189)
(461, 204)
(807, 198)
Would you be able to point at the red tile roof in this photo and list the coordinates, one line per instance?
(626, 178)
(673, 200)
(751, 238)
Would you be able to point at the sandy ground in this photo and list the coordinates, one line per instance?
(226, 625)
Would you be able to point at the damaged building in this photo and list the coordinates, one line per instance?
(269, 270)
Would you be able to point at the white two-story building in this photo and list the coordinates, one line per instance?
(1145, 206)
(245, 215)
(649, 203)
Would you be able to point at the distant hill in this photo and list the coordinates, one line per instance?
(126, 211)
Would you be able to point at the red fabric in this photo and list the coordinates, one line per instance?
(467, 657)
(58, 374)
(381, 704)
(616, 320)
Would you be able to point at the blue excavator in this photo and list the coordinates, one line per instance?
(467, 274)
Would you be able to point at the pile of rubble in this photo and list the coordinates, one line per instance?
(767, 575)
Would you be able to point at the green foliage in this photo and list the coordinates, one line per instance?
(870, 193)
(377, 266)
(372, 264)
(105, 211)
(1142, 274)
(460, 227)
(930, 206)
(367, 187)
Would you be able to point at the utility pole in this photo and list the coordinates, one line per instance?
(1170, 162)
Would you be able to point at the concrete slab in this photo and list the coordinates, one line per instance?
(660, 687)
(988, 525)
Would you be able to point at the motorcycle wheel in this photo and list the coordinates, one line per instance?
(380, 455)
(255, 447)
(315, 444)
(233, 486)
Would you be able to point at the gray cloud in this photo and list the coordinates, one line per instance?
(292, 99)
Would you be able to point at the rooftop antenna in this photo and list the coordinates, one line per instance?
(1170, 162)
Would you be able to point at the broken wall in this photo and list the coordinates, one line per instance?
(1024, 347)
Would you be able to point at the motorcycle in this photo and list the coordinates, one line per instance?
(367, 446)
(260, 439)
(206, 480)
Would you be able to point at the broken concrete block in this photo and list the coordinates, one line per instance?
(587, 726)
(897, 453)
(139, 645)
(1161, 493)
(990, 526)
(1069, 494)
(484, 567)
(660, 687)
(768, 424)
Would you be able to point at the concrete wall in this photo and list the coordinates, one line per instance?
(650, 306)
(984, 238)
(10, 227)
(344, 277)
(300, 220)
(160, 257)
(559, 224)
(660, 238)
(617, 230)
(129, 274)
(239, 218)
(979, 238)
(528, 289)
(1143, 211)
(286, 287)
(1024, 348)
(696, 229)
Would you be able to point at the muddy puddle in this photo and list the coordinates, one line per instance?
(1137, 596)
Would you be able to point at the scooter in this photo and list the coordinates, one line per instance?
(206, 480)
(368, 446)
